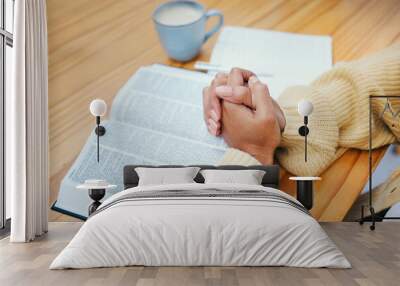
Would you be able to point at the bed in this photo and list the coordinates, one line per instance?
(198, 224)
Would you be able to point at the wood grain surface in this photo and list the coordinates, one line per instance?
(95, 46)
(374, 255)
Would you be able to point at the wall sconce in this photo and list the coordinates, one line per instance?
(305, 108)
(98, 108)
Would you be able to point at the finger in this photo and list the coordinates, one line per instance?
(221, 75)
(211, 103)
(262, 101)
(252, 80)
(231, 110)
(206, 103)
(215, 106)
(214, 116)
(256, 84)
(214, 124)
(235, 94)
(209, 111)
(214, 110)
(219, 80)
(232, 113)
(247, 74)
(212, 131)
(239, 76)
(213, 127)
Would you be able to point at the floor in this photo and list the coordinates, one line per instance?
(95, 46)
(374, 255)
(4, 232)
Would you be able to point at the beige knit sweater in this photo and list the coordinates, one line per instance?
(340, 118)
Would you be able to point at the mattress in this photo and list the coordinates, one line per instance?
(201, 225)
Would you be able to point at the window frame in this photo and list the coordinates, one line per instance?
(6, 39)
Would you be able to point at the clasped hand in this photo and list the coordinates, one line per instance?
(238, 107)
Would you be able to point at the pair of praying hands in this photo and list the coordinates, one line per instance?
(238, 107)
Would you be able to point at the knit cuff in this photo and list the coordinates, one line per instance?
(322, 139)
(237, 157)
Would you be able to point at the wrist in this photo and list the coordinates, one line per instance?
(280, 116)
(265, 158)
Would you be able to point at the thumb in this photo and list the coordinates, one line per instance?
(235, 94)
(261, 100)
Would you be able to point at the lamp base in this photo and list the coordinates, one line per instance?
(96, 195)
(100, 130)
(305, 193)
(303, 131)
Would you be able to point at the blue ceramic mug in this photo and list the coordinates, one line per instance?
(181, 28)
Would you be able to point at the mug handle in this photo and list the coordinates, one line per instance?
(215, 29)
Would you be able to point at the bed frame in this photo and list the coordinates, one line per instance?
(270, 179)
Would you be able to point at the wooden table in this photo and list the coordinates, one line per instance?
(95, 46)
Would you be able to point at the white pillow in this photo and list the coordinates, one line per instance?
(164, 176)
(248, 177)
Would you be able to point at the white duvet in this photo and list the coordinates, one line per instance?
(200, 231)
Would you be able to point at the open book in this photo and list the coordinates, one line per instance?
(156, 118)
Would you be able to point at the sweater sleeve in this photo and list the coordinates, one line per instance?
(322, 140)
(341, 112)
(340, 118)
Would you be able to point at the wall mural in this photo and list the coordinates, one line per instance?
(154, 112)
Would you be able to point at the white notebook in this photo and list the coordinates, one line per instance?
(292, 59)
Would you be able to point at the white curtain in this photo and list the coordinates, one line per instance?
(27, 124)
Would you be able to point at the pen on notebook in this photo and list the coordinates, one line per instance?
(204, 66)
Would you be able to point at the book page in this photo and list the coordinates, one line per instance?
(290, 59)
(166, 100)
(156, 119)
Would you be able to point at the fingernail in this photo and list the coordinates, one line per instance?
(209, 128)
(253, 79)
(224, 90)
(214, 115)
(212, 123)
(220, 74)
(212, 130)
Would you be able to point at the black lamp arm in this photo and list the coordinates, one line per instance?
(100, 131)
(303, 131)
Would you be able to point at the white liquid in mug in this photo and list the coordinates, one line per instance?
(179, 15)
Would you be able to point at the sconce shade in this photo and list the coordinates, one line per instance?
(305, 107)
(98, 107)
